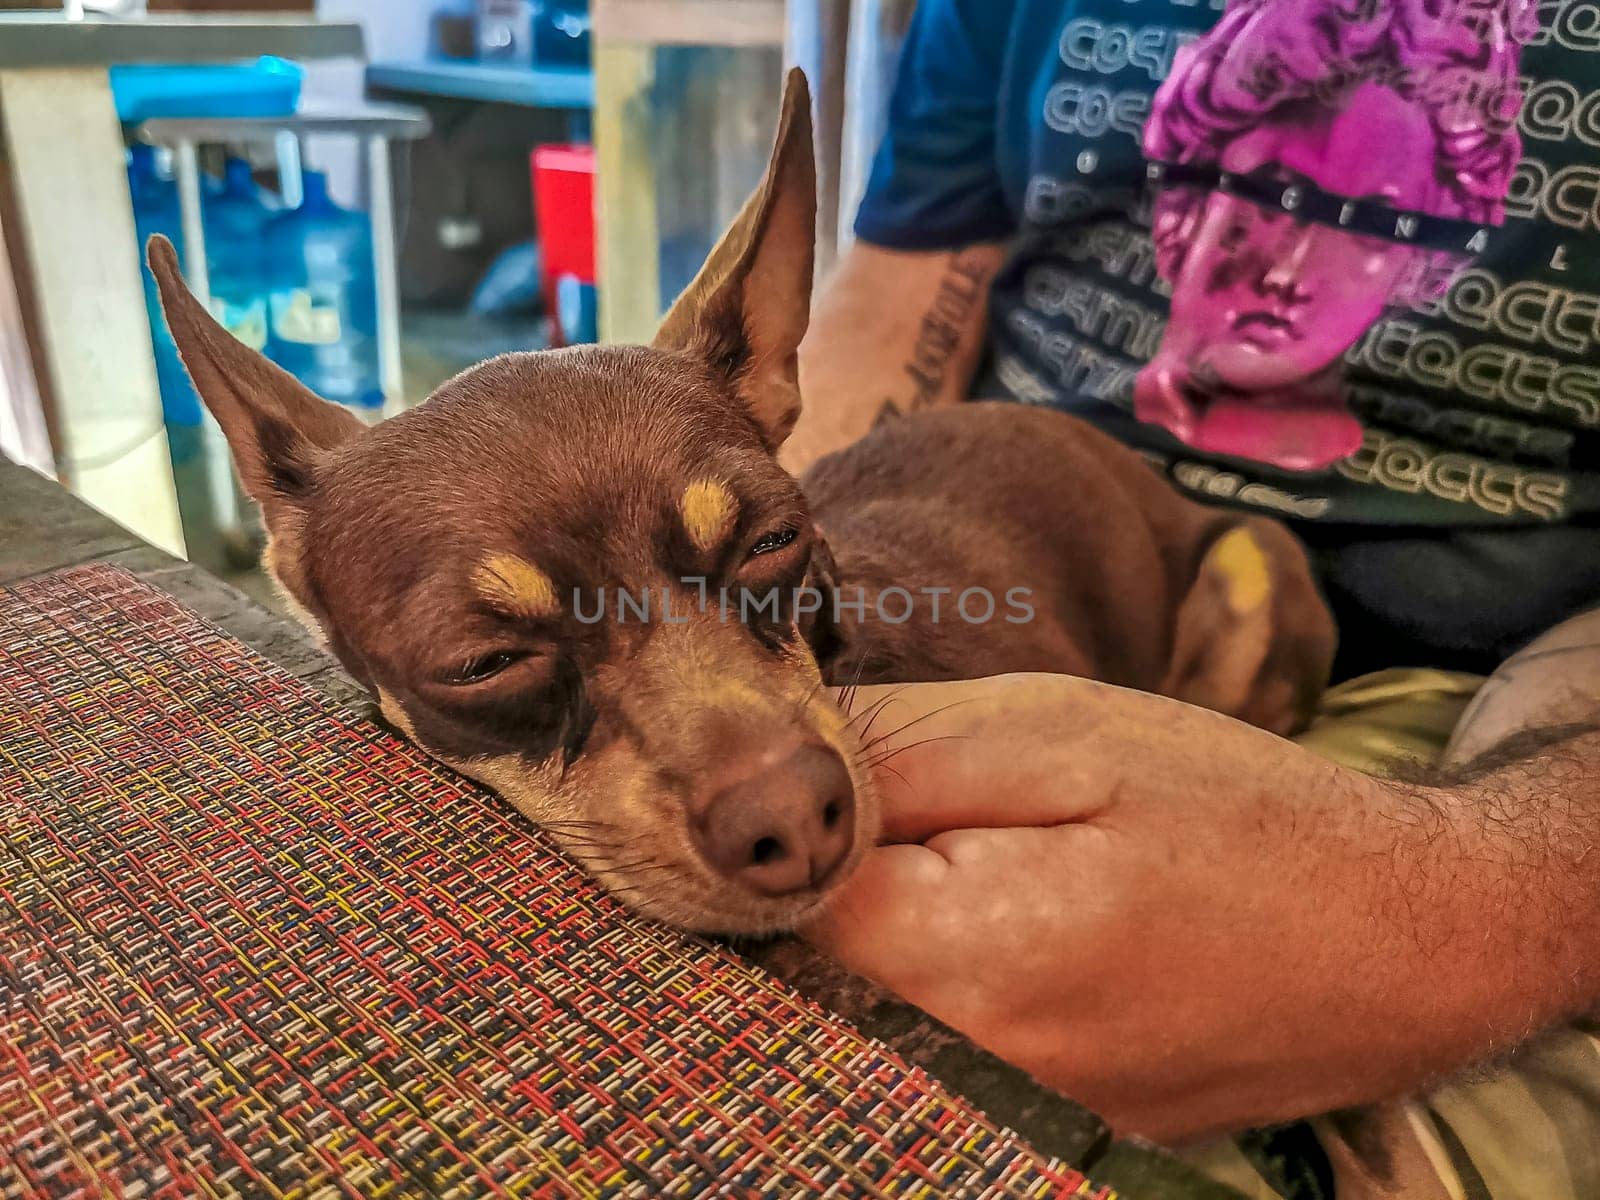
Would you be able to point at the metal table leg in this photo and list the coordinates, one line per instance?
(380, 200)
(187, 166)
(291, 180)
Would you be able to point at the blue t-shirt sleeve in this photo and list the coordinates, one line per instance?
(935, 183)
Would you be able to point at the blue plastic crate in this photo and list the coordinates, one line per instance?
(269, 87)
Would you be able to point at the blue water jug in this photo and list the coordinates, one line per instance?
(561, 32)
(236, 254)
(323, 299)
(155, 210)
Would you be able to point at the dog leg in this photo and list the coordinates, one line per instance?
(1253, 638)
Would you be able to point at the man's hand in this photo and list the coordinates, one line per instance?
(1187, 924)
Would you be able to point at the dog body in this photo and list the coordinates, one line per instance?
(518, 569)
(1126, 581)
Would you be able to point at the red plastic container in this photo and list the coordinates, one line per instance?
(563, 195)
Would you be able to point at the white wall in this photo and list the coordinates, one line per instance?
(393, 29)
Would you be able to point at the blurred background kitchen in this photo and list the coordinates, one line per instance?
(374, 193)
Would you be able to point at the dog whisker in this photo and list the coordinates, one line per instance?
(576, 843)
(604, 842)
(583, 839)
(627, 892)
(869, 764)
(884, 756)
(897, 774)
(871, 713)
(570, 836)
(647, 879)
(847, 697)
(643, 864)
(881, 738)
(631, 843)
(578, 825)
(805, 701)
(850, 691)
(621, 891)
(587, 850)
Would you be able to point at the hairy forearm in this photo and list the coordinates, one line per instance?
(1511, 835)
(893, 331)
(1503, 893)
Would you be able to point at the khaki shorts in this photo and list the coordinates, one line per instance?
(1528, 1130)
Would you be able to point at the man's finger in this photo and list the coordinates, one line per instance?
(943, 924)
(876, 924)
(981, 753)
(900, 922)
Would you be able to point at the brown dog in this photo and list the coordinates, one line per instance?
(455, 560)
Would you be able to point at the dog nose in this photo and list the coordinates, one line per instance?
(784, 830)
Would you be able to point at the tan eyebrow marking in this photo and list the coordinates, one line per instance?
(708, 510)
(514, 583)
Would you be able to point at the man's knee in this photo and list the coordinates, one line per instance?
(1554, 682)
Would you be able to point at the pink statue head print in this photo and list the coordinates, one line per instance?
(1321, 161)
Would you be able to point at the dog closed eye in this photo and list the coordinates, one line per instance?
(485, 667)
(774, 541)
(776, 559)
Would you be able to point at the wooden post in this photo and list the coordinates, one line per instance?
(816, 39)
(64, 158)
(629, 249)
(673, 158)
(877, 31)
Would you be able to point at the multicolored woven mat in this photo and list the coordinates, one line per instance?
(252, 946)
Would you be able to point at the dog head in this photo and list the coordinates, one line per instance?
(569, 574)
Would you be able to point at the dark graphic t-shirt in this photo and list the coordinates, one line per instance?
(1462, 516)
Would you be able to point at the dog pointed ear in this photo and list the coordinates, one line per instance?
(747, 310)
(277, 428)
(819, 629)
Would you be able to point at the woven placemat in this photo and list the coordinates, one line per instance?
(252, 946)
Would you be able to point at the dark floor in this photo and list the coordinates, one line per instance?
(436, 345)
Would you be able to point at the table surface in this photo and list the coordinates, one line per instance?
(500, 83)
(43, 528)
(46, 40)
(393, 121)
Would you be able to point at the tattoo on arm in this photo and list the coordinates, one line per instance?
(947, 320)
